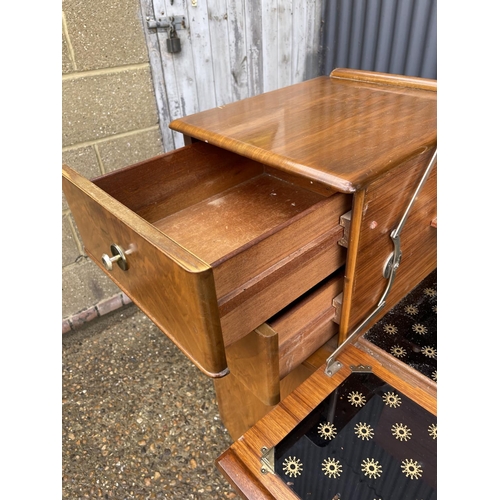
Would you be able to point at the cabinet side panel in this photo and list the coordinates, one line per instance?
(383, 205)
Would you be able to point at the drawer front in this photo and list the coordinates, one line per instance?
(174, 288)
(305, 327)
(290, 279)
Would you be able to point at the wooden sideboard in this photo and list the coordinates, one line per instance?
(260, 246)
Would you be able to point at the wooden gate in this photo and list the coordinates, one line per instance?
(230, 50)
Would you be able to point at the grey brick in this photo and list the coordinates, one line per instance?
(132, 149)
(67, 64)
(83, 286)
(99, 106)
(66, 326)
(84, 317)
(84, 161)
(126, 299)
(70, 250)
(105, 34)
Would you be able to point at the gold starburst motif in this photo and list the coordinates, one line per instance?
(430, 292)
(332, 467)
(390, 329)
(371, 468)
(391, 399)
(363, 431)
(411, 468)
(292, 466)
(356, 398)
(411, 310)
(398, 352)
(420, 329)
(401, 432)
(433, 431)
(327, 430)
(429, 352)
(435, 309)
(434, 375)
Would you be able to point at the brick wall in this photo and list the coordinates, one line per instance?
(110, 120)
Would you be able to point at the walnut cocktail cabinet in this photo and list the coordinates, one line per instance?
(287, 222)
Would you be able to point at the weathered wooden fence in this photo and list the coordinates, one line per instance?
(230, 49)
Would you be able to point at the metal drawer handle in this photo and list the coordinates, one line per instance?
(118, 256)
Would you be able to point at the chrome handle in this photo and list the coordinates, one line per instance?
(118, 256)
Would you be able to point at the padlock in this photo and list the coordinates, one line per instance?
(173, 41)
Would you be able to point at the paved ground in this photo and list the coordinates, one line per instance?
(139, 420)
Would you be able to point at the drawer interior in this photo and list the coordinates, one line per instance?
(217, 227)
(263, 238)
(210, 201)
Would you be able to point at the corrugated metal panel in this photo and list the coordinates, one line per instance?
(390, 36)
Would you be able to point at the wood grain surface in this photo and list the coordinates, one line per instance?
(377, 210)
(254, 361)
(268, 293)
(161, 186)
(339, 132)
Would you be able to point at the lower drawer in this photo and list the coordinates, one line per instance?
(207, 243)
(307, 324)
(262, 359)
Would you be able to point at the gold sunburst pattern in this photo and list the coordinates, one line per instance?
(371, 468)
(411, 310)
(292, 466)
(409, 326)
(356, 398)
(390, 329)
(391, 399)
(420, 329)
(327, 430)
(401, 432)
(429, 352)
(363, 431)
(332, 467)
(433, 431)
(398, 351)
(411, 468)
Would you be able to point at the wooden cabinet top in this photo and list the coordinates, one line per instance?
(341, 131)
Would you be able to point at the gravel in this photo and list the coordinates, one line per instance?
(140, 421)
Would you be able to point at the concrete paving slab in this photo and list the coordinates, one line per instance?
(139, 420)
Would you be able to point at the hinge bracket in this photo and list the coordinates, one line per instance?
(267, 460)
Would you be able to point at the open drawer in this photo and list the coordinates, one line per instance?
(207, 243)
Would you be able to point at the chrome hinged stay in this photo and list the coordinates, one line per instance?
(389, 271)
